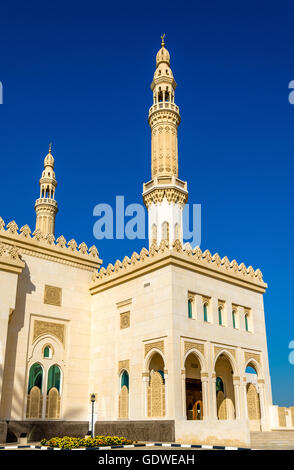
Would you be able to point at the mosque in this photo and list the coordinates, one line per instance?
(171, 341)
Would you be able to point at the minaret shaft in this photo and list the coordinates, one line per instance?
(165, 195)
(46, 207)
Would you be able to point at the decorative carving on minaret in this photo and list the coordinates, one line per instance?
(165, 188)
(46, 207)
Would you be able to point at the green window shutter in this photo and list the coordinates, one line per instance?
(234, 319)
(35, 376)
(246, 323)
(54, 378)
(220, 320)
(125, 380)
(47, 352)
(189, 308)
(205, 312)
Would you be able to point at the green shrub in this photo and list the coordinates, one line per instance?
(68, 442)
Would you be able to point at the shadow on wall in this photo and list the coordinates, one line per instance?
(24, 287)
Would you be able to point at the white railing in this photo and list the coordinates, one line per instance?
(163, 105)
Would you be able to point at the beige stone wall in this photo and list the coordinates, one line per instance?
(63, 323)
(149, 330)
(159, 322)
(8, 286)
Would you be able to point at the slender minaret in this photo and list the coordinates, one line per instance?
(46, 207)
(165, 195)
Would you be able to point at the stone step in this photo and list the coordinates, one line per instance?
(272, 440)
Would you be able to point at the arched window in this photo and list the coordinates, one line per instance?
(220, 316)
(34, 398)
(123, 399)
(205, 316)
(54, 378)
(165, 231)
(47, 352)
(125, 379)
(53, 393)
(35, 377)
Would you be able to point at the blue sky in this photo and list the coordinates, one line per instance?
(78, 74)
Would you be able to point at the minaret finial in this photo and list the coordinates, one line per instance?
(162, 40)
(50, 145)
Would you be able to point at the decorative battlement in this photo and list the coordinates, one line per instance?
(47, 247)
(183, 256)
(10, 259)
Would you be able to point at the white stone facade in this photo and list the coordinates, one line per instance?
(165, 335)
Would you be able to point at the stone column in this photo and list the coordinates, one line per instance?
(243, 394)
(166, 392)
(184, 405)
(205, 394)
(261, 403)
(213, 405)
(236, 383)
(145, 378)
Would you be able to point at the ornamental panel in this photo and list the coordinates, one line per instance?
(123, 365)
(52, 295)
(44, 328)
(124, 320)
(249, 355)
(157, 345)
(218, 349)
(189, 345)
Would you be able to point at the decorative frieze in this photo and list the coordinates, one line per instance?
(44, 328)
(255, 356)
(156, 345)
(124, 365)
(189, 345)
(218, 349)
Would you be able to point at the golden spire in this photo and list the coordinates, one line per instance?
(50, 145)
(162, 40)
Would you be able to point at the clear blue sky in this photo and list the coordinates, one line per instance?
(78, 74)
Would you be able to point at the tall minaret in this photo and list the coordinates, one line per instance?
(46, 207)
(165, 195)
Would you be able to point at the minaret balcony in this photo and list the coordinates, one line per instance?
(47, 201)
(164, 105)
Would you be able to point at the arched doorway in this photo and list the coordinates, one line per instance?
(156, 387)
(225, 396)
(253, 402)
(194, 404)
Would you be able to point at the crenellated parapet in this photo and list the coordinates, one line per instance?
(184, 256)
(10, 258)
(47, 247)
